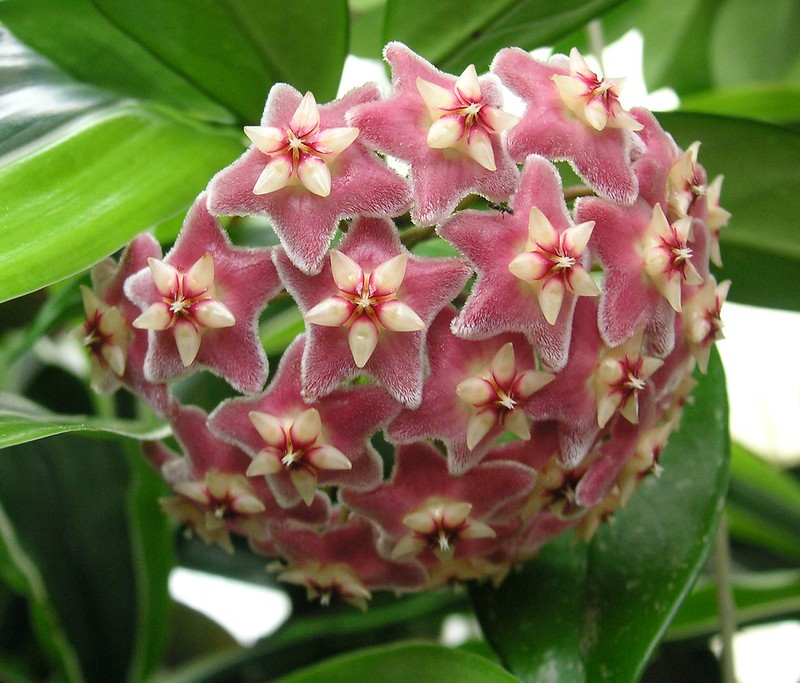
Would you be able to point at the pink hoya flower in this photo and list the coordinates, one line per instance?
(572, 115)
(369, 309)
(214, 498)
(447, 516)
(476, 390)
(447, 129)
(536, 268)
(342, 561)
(299, 447)
(116, 348)
(201, 304)
(530, 402)
(306, 171)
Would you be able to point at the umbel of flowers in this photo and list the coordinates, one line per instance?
(522, 403)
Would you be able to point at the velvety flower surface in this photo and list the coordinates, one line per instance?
(342, 561)
(298, 446)
(425, 511)
(476, 390)
(446, 128)
(354, 181)
(397, 357)
(502, 301)
(551, 127)
(117, 349)
(201, 304)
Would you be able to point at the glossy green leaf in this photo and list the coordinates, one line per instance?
(36, 97)
(419, 662)
(752, 42)
(66, 529)
(596, 612)
(455, 33)
(758, 597)
(366, 26)
(73, 202)
(771, 102)
(749, 527)
(761, 246)
(78, 37)
(22, 421)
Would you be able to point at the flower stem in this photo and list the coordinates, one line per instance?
(725, 605)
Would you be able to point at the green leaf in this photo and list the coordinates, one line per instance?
(455, 33)
(50, 97)
(758, 597)
(83, 197)
(400, 663)
(765, 489)
(22, 421)
(596, 612)
(307, 638)
(81, 40)
(233, 51)
(366, 25)
(761, 246)
(750, 42)
(153, 554)
(772, 102)
(65, 529)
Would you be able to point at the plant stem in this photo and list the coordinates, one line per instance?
(726, 607)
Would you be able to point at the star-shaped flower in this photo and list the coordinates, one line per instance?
(424, 509)
(631, 300)
(572, 115)
(342, 561)
(476, 390)
(299, 447)
(214, 496)
(532, 265)
(358, 306)
(201, 304)
(117, 349)
(702, 317)
(447, 129)
(306, 171)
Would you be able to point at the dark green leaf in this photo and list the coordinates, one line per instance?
(64, 507)
(153, 554)
(455, 33)
(761, 246)
(22, 422)
(233, 51)
(83, 197)
(419, 662)
(758, 597)
(597, 612)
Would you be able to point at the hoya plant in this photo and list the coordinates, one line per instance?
(442, 345)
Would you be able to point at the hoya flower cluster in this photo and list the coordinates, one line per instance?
(519, 404)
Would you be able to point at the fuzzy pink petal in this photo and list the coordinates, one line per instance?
(245, 280)
(501, 302)
(361, 184)
(601, 158)
(399, 127)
